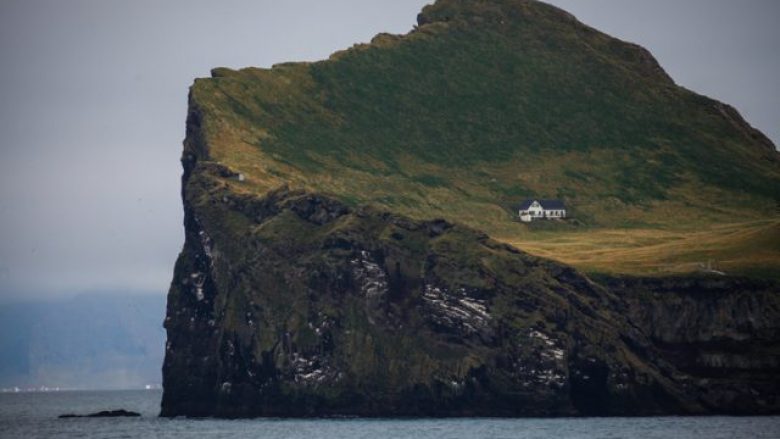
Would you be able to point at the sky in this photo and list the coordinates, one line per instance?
(93, 97)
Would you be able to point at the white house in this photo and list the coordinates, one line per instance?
(533, 209)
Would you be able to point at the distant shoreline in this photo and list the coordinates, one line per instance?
(44, 389)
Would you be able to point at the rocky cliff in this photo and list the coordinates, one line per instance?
(315, 281)
(722, 332)
(294, 304)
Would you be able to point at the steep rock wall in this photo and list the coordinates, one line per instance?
(723, 331)
(294, 304)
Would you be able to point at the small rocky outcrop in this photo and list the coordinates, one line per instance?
(121, 413)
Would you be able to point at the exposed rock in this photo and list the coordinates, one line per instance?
(297, 305)
(723, 332)
(104, 414)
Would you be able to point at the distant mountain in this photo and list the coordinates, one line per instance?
(88, 342)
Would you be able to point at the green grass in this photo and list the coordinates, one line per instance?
(487, 103)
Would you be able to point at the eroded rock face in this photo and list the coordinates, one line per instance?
(294, 304)
(723, 332)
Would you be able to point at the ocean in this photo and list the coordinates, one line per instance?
(34, 415)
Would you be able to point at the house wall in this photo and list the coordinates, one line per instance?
(537, 211)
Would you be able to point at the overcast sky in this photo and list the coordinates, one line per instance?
(93, 101)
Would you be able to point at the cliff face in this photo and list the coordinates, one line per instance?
(723, 332)
(294, 304)
(339, 297)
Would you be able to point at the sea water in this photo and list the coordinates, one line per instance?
(34, 415)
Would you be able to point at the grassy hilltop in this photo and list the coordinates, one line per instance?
(488, 102)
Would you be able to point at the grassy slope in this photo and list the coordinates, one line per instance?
(749, 248)
(489, 102)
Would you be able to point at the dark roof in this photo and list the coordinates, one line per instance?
(546, 204)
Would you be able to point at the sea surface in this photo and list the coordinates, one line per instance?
(34, 415)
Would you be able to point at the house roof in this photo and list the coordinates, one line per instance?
(546, 204)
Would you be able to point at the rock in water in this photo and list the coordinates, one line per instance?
(299, 302)
(105, 414)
